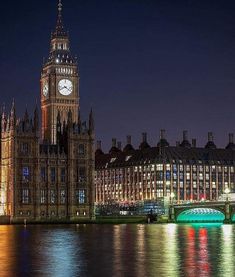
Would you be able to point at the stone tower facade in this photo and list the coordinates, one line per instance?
(59, 82)
(47, 170)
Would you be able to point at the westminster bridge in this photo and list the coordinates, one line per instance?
(219, 211)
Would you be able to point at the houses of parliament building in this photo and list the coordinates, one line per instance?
(50, 171)
(47, 168)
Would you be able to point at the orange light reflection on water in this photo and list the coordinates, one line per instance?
(7, 259)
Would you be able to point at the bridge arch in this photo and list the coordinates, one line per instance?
(200, 214)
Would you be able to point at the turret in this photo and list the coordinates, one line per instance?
(210, 144)
(98, 148)
(185, 143)
(128, 146)
(26, 115)
(114, 148)
(36, 119)
(91, 122)
(162, 142)
(144, 144)
(12, 116)
(4, 120)
(230, 145)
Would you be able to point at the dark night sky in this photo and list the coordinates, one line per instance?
(144, 64)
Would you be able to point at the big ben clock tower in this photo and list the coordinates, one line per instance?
(59, 82)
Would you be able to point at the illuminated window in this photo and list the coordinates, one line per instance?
(174, 175)
(159, 193)
(62, 196)
(25, 196)
(181, 176)
(80, 196)
(43, 196)
(168, 175)
(168, 167)
(25, 173)
(52, 196)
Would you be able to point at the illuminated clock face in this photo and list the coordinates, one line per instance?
(65, 87)
(45, 89)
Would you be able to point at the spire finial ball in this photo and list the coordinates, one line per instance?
(60, 6)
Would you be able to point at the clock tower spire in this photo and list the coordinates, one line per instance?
(59, 82)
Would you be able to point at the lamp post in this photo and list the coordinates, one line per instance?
(227, 191)
(227, 206)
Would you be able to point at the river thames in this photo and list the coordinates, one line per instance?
(169, 250)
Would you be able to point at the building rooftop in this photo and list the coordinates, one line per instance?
(184, 153)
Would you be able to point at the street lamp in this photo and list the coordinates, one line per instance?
(227, 191)
(172, 195)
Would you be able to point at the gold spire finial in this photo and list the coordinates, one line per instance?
(60, 6)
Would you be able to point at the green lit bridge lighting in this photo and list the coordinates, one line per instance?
(201, 215)
(217, 211)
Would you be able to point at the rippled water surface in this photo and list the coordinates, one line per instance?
(118, 250)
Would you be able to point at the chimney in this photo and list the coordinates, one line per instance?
(210, 136)
(98, 144)
(194, 143)
(162, 134)
(144, 137)
(230, 137)
(119, 145)
(114, 142)
(185, 135)
(128, 139)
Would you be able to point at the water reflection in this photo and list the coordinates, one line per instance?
(191, 252)
(61, 251)
(117, 250)
(140, 250)
(227, 248)
(204, 266)
(171, 251)
(7, 257)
